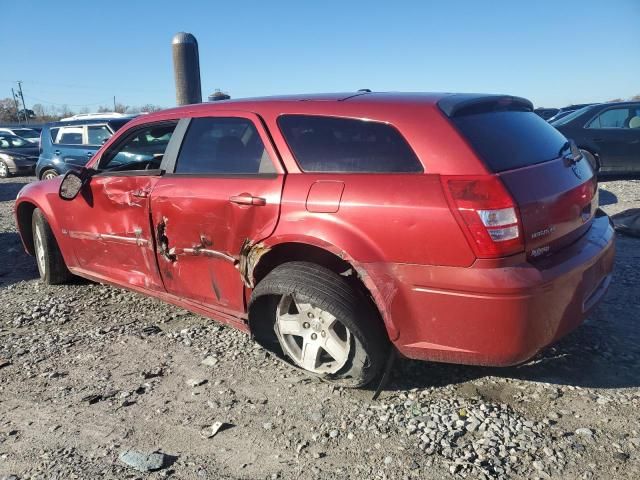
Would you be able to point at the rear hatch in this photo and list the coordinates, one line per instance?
(553, 187)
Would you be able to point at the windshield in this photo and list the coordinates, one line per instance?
(26, 133)
(571, 116)
(11, 141)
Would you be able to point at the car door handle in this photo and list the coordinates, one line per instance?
(247, 199)
(89, 154)
(140, 193)
(57, 152)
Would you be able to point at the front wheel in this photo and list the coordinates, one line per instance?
(49, 174)
(51, 264)
(319, 323)
(4, 170)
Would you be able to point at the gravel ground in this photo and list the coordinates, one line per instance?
(92, 377)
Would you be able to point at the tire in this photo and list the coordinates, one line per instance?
(4, 170)
(591, 159)
(49, 174)
(51, 266)
(343, 319)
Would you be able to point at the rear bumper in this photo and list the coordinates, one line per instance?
(492, 314)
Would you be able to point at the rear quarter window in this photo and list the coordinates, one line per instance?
(506, 140)
(332, 144)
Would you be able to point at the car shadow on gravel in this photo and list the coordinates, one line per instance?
(15, 265)
(606, 197)
(9, 191)
(597, 355)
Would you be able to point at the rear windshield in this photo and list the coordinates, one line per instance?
(511, 139)
(26, 133)
(118, 124)
(332, 144)
(570, 116)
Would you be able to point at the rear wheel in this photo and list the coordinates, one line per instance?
(319, 323)
(51, 264)
(49, 174)
(4, 170)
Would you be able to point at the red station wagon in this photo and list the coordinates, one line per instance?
(337, 229)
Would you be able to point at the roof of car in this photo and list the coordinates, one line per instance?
(91, 121)
(448, 102)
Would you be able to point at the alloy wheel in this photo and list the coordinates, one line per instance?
(312, 337)
(4, 171)
(40, 255)
(49, 175)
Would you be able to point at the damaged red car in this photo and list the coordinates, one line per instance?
(337, 229)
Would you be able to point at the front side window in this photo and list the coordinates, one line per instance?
(228, 145)
(98, 134)
(613, 118)
(142, 149)
(332, 144)
(70, 136)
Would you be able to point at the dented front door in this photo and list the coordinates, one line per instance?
(204, 217)
(108, 225)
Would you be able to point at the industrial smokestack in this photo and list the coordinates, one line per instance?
(186, 68)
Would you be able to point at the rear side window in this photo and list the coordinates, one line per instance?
(228, 145)
(70, 136)
(511, 139)
(331, 144)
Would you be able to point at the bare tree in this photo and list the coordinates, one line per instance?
(121, 108)
(8, 112)
(149, 107)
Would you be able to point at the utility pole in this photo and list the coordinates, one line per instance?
(114, 103)
(24, 106)
(15, 100)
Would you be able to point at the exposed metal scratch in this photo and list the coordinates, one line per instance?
(250, 254)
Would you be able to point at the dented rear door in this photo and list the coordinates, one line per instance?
(220, 198)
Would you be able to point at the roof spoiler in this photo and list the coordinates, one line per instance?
(470, 103)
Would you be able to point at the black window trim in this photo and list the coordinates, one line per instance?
(176, 138)
(347, 117)
(170, 170)
(606, 109)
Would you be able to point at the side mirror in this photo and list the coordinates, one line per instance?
(72, 184)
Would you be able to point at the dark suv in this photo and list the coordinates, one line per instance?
(70, 144)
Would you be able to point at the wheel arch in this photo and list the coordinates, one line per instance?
(24, 214)
(593, 152)
(369, 280)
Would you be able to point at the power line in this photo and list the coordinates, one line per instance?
(104, 102)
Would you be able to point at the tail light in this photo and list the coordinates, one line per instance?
(487, 214)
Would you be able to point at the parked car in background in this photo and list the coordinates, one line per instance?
(564, 111)
(487, 242)
(29, 134)
(17, 155)
(608, 134)
(70, 144)
(546, 113)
